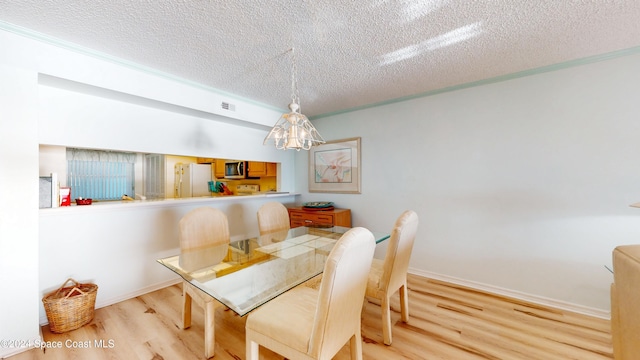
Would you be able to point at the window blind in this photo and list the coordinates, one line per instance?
(154, 171)
(100, 175)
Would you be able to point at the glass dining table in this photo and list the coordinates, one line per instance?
(247, 273)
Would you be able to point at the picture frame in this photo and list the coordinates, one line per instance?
(334, 167)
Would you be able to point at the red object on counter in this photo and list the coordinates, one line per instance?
(226, 190)
(65, 196)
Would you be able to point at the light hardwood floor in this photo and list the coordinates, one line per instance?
(446, 322)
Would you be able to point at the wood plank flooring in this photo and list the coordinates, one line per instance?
(446, 322)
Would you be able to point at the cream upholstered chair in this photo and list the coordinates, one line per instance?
(390, 275)
(273, 217)
(625, 312)
(198, 229)
(306, 323)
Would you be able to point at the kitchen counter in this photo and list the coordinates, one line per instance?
(111, 205)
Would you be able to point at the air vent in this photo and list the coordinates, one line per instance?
(227, 106)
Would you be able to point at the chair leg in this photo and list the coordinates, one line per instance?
(252, 350)
(209, 329)
(386, 320)
(356, 346)
(404, 302)
(186, 308)
(208, 306)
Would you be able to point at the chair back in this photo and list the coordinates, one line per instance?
(396, 260)
(272, 217)
(203, 228)
(341, 293)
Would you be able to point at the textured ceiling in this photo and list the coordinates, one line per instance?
(349, 53)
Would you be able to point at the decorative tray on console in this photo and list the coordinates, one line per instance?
(318, 205)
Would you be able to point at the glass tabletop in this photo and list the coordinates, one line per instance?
(248, 273)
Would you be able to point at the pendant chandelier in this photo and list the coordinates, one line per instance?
(293, 130)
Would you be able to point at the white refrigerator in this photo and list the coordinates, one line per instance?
(192, 180)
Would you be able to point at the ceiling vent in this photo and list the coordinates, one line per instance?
(227, 106)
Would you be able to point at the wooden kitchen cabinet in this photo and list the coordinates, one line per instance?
(218, 168)
(298, 216)
(205, 160)
(258, 169)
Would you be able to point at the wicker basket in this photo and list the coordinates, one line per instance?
(70, 307)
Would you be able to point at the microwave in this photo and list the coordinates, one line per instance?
(235, 169)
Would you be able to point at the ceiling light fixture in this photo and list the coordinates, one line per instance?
(293, 130)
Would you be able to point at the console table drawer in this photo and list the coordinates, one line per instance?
(311, 219)
(337, 217)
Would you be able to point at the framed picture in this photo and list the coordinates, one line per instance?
(334, 167)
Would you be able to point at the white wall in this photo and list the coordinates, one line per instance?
(521, 185)
(19, 210)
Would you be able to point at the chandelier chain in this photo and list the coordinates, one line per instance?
(294, 84)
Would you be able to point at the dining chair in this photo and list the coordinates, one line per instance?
(273, 217)
(306, 323)
(198, 229)
(389, 276)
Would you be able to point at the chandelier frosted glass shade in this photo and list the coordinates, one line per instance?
(294, 131)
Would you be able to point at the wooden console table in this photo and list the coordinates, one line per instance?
(299, 216)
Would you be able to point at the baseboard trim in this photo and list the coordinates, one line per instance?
(585, 310)
(123, 297)
(540, 300)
